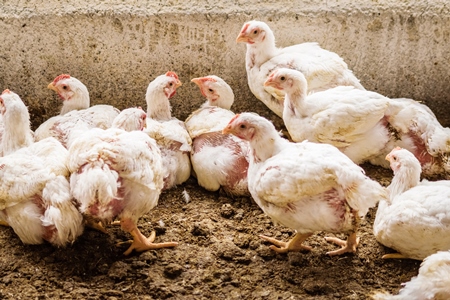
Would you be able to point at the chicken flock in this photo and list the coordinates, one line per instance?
(95, 165)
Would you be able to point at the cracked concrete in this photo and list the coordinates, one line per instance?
(397, 48)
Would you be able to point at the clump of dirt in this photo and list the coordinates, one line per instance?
(219, 256)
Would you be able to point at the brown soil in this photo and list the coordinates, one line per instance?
(219, 256)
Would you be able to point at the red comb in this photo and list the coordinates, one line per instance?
(207, 79)
(6, 91)
(172, 74)
(244, 29)
(234, 118)
(396, 149)
(60, 77)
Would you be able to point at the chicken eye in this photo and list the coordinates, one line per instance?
(211, 90)
(64, 87)
(282, 78)
(394, 158)
(170, 84)
(255, 31)
(242, 126)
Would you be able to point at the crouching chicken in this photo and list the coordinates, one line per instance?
(117, 174)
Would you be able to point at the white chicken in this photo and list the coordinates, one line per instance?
(432, 282)
(130, 119)
(35, 197)
(16, 132)
(323, 69)
(415, 219)
(169, 132)
(219, 161)
(415, 128)
(350, 119)
(364, 125)
(305, 186)
(76, 115)
(117, 174)
(34, 191)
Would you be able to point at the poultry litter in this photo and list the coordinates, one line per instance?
(146, 153)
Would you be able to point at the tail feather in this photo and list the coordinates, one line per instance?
(95, 186)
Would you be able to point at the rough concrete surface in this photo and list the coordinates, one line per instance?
(397, 48)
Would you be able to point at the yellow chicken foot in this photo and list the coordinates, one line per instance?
(295, 244)
(393, 255)
(140, 242)
(352, 241)
(349, 245)
(4, 223)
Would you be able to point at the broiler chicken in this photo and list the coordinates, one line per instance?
(416, 128)
(364, 125)
(432, 282)
(130, 119)
(117, 174)
(305, 186)
(16, 131)
(76, 115)
(34, 188)
(219, 161)
(350, 119)
(323, 69)
(169, 132)
(415, 220)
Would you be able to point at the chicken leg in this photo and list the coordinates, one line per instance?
(140, 242)
(352, 241)
(295, 244)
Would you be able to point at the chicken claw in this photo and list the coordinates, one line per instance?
(141, 243)
(347, 246)
(295, 244)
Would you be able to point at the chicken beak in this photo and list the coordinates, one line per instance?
(228, 130)
(268, 82)
(52, 87)
(178, 84)
(388, 157)
(242, 38)
(197, 81)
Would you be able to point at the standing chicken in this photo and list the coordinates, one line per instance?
(305, 186)
(432, 283)
(169, 132)
(117, 174)
(218, 160)
(76, 115)
(323, 69)
(415, 220)
(16, 132)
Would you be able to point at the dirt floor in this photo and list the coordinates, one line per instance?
(219, 256)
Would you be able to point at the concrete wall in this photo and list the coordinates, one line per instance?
(397, 48)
